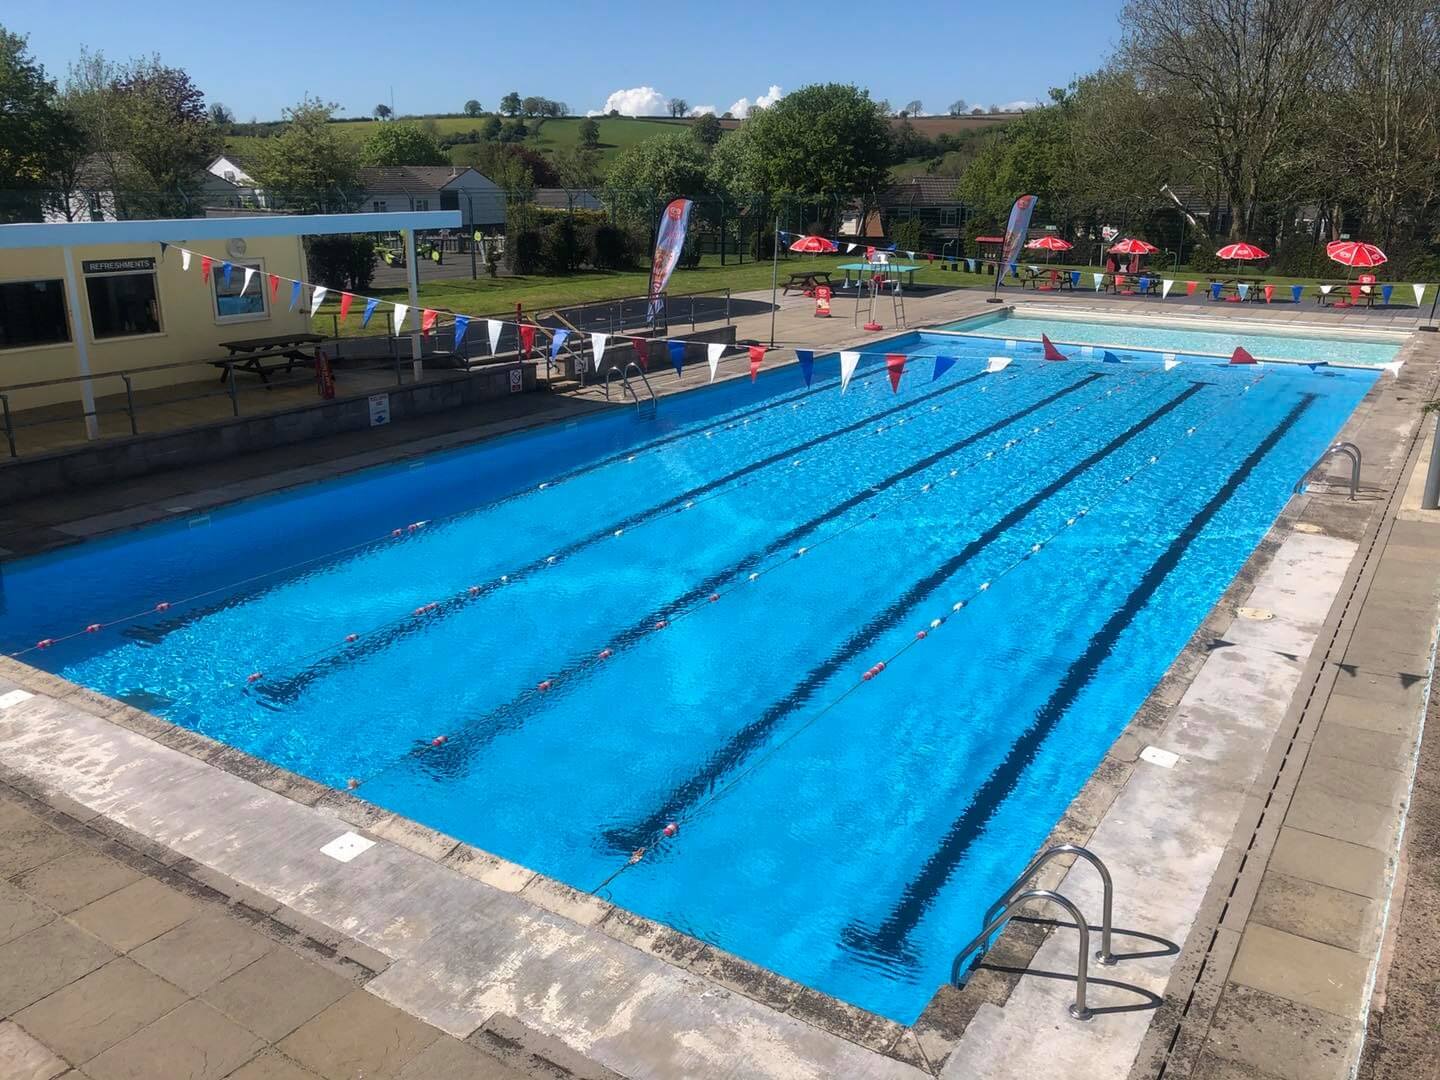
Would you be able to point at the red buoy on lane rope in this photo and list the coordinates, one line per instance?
(414, 525)
(474, 590)
(920, 635)
(714, 596)
(439, 740)
(94, 628)
(543, 685)
(662, 624)
(352, 783)
(164, 605)
(45, 643)
(671, 829)
(254, 676)
(397, 533)
(352, 637)
(879, 667)
(605, 654)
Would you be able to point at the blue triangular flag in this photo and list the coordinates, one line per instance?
(462, 322)
(807, 364)
(1144, 283)
(890, 248)
(1075, 279)
(942, 365)
(677, 356)
(1385, 291)
(294, 294)
(557, 341)
(225, 271)
(1110, 358)
(1295, 292)
(370, 306)
(1215, 288)
(1318, 363)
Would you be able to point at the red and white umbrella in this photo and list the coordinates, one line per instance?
(1242, 251)
(1132, 246)
(813, 245)
(1355, 253)
(1049, 243)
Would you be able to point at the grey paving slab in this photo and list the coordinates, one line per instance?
(450, 1059)
(359, 1035)
(1403, 689)
(1281, 1038)
(201, 951)
(1326, 861)
(26, 845)
(1377, 749)
(1298, 969)
(97, 1011)
(1372, 716)
(45, 959)
(131, 916)
(273, 1065)
(1356, 821)
(1318, 912)
(76, 879)
(23, 1058)
(1349, 779)
(19, 914)
(277, 993)
(192, 1043)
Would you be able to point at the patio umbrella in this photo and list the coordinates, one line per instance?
(1355, 253)
(1131, 246)
(813, 245)
(1048, 244)
(1241, 252)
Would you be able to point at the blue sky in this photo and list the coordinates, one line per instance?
(262, 55)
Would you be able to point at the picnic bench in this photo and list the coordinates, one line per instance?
(806, 281)
(252, 354)
(1045, 279)
(1347, 293)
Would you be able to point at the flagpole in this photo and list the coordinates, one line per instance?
(774, 275)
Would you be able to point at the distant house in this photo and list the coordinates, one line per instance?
(227, 168)
(94, 199)
(389, 188)
(931, 199)
(565, 199)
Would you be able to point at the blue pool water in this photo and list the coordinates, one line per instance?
(1276, 344)
(846, 832)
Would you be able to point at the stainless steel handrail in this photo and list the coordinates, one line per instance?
(630, 390)
(609, 372)
(1346, 450)
(1103, 954)
(1079, 1009)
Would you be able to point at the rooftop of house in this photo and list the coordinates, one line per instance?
(412, 179)
(922, 191)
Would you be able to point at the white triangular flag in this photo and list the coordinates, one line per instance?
(400, 312)
(1325, 289)
(849, 248)
(713, 352)
(1419, 293)
(997, 363)
(597, 346)
(184, 259)
(494, 326)
(249, 273)
(1170, 361)
(848, 362)
(1099, 280)
(316, 298)
(1243, 289)
(1393, 367)
(910, 255)
(1165, 286)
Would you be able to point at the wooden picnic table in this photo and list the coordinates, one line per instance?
(1045, 278)
(251, 354)
(806, 281)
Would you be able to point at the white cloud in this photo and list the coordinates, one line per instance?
(703, 110)
(741, 108)
(637, 101)
(1016, 106)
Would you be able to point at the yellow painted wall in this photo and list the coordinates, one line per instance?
(189, 327)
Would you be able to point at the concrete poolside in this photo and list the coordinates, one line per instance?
(474, 939)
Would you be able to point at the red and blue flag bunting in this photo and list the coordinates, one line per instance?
(807, 364)
(462, 323)
(642, 352)
(942, 365)
(1110, 358)
(757, 355)
(1051, 353)
(294, 295)
(895, 365)
(225, 271)
(1295, 291)
(1215, 287)
(677, 357)
(557, 341)
(370, 306)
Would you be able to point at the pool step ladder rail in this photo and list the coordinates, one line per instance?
(646, 407)
(1346, 450)
(1017, 895)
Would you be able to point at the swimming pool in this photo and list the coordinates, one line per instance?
(1301, 344)
(616, 625)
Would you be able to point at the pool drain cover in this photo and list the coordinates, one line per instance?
(1259, 614)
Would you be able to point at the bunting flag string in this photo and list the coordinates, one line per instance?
(462, 323)
(642, 352)
(494, 326)
(226, 271)
(1190, 287)
(346, 299)
(849, 361)
(184, 260)
(245, 285)
(527, 336)
(1109, 357)
(942, 365)
(806, 358)
(317, 298)
(557, 341)
(205, 263)
(597, 348)
(996, 364)
(427, 319)
(1419, 293)
(401, 310)
(713, 351)
(1051, 353)
(895, 367)
(1166, 284)
(274, 280)
(370, 305)
(757, 354)
(1295, 291)
(1099, 281)
(294, 294)
(677, 357)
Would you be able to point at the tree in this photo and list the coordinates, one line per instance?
(494, 159)
(402, 144)
(41, 145)
(514, 130)
(735, 169)
(823, 139)
(382, 112)
(707, 129)
(167, 135)
(308, 166)
(958, 107)
(589, 132)
(473, 108)
(510, 104)
(490, 129)
(577, 168)
(662, 168)
(221, 116)
(914, 108)
(678, 106)
(532, 106)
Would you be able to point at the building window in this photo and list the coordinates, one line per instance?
(949, 217)
(96, 206)
(422, 204)
(379, 206)
(233, 306)
(124, 298)
(32, 313)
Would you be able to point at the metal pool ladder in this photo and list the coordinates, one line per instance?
(1000, 912)
(646, 407)
(1346, 450)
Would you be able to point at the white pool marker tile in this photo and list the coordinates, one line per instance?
(1166, 759)
(13, 698)
(1257, 614)
(346, 846)
(1306, 527)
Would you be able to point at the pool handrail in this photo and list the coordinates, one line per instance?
(1107, 903)
(1346, 450)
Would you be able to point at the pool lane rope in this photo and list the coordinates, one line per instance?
(581, 665)
(958, 607)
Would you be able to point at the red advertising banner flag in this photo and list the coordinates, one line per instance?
(669, 239)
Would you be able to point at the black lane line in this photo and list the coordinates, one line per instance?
(154, 633)
(889, 939)
(749, 738)
(476, 734)
(288, 689)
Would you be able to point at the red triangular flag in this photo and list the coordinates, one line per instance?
(429, 315)
(930, 256)
(1052, 353)
(205, 262)
(527, 334)
(274, 287)
(346, 299)
(1269, 292)
(642, 352)
(1190, 287)
(757, 354)
(1119, 282)
(895, 365)
(1240, 356)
